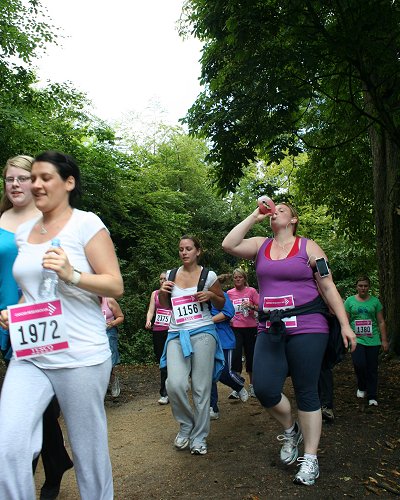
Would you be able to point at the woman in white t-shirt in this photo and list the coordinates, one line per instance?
(87, 268)
(193, 349)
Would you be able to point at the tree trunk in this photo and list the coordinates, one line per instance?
(386, 180)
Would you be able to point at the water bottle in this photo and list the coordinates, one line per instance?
(245, 310)
(49, 281)
(266, 205)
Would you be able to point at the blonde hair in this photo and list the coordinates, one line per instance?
(243, 273)
(20, 161)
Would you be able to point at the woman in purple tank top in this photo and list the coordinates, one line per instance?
(295, 344)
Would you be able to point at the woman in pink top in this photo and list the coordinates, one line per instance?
(244, 324)
(162, 318)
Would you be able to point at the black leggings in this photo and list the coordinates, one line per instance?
(245, 341)
(365, 361)
(159, 339)
(299, 356)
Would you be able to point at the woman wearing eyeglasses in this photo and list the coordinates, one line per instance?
(17, 206)
(78, 374)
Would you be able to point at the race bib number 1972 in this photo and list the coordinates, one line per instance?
(37, 329)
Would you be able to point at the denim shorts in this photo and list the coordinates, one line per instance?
(112, 334)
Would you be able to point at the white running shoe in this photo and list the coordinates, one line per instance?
(115, 387)
(327, 414)
(181, 443)
(373, 402)
(309, 471)
(252, 394)
(214, 415)
(163, 400)
(233, 395)
(199, 450)
(243, 395)
(290, 447)
(361, 394)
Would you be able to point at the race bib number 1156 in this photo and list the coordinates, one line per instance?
(186, 309)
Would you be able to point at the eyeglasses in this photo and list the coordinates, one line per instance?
(21, 179)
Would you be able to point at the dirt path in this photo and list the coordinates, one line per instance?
(359, 453)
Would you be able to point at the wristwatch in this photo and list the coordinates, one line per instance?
(75, 279)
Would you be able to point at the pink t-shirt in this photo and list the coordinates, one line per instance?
(107, 313)
(237, 296)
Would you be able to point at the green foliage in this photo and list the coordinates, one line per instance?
(137, 350)
(24, 30)
(135, 343)
(34, 119)
(269, 67)
(340, 170)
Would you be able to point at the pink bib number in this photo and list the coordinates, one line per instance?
(363, 327)
(281, 303)
(37, 329)
(163, 317)
(186, 309)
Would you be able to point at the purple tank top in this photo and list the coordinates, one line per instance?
(288, 283)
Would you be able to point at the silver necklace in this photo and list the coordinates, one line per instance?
(283, 247)
(43, 230)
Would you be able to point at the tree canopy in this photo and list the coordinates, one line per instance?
(269, 68)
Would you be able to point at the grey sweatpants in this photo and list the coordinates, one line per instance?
(194, 423)
(27, 391)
